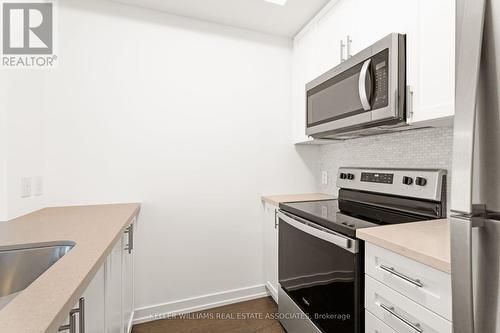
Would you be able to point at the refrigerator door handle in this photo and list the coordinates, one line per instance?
(461, 270)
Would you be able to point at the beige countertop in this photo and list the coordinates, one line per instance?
(43, 305)
(277, 199)
(427, 242)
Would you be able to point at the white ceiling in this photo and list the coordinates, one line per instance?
(257, 15)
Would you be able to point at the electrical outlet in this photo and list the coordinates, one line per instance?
(25, 187)
(38, 186)
(324, 177)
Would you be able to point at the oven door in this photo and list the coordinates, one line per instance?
(320, 276)
(367, 88)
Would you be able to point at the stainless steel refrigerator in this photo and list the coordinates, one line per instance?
(475, 192)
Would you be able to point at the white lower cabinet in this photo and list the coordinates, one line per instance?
(120, 284)
(108, 301)
(424, 285)
(114, 317)
(128, 281)
(271, 249)
(402, 295)
(95, 304)
(399, 312)
(374, 325)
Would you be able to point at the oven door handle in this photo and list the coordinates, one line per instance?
(318, 232)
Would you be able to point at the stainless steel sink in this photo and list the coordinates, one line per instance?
(20, 265)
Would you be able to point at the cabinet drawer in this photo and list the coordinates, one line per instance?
(400, 313)
(425, 285)
(374, 325)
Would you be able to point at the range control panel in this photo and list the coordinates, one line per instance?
(417, 183)
(377, 177)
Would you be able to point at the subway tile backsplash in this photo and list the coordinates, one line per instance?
(423, 148)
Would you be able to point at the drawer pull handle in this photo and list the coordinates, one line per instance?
(391, 270)
(390, 309)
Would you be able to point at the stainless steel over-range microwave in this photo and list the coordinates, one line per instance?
(364, 93)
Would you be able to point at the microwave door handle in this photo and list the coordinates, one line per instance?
(364, 91)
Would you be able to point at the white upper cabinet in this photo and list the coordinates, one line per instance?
(299, 68)
(316, 51)
(430, 29)
(311, 57)
(436, 61)
(304, 69)
(376, 19)
(332, 30)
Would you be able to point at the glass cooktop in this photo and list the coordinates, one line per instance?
(346, 216)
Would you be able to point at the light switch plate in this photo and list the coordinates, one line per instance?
(324, 177)
(25, 187)
(38, 186)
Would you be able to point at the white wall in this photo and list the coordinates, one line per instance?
(189, 118)
(3, 151)
(21, 146)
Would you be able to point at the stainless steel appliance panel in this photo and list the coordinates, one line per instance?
(424, 183)
(293, 319)
(369, 88)
(320, 271)
(475, 200)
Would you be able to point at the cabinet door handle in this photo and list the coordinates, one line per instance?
(130, 232)
(72, 318)
(391, 310)
(349, 42)
(82, 314)
(342, 46)
(391, 270)
(275, 219)
(409, 102)
(70, 326)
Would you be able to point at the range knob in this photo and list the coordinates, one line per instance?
(350, 176)
(420, 181)
(407, 180)
(343, 175)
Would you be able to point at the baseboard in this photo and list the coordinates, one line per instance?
(166, 310)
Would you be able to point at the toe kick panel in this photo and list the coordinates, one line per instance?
(375, 325)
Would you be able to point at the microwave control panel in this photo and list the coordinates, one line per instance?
(380, 63)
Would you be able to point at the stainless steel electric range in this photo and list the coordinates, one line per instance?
(321, 262)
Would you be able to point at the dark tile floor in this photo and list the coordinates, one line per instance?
(245, 317)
